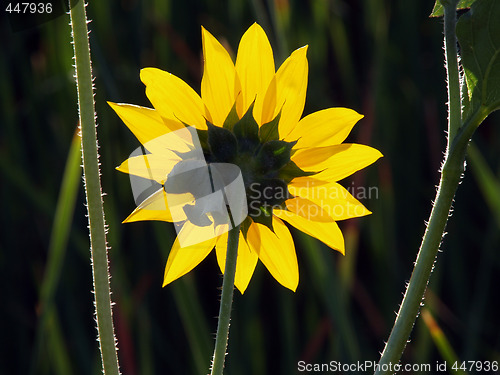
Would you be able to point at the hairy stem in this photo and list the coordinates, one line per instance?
(450, 178)
(452, 69)
(93, 190)
(453, 167)
(226, 302)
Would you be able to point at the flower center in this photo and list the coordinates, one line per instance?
(264, 160)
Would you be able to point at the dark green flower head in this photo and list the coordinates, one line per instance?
(263, 158)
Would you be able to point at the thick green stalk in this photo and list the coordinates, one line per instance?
(458, 139)
(452, 69)
(93, 190)
(226, 302)
(423, 267)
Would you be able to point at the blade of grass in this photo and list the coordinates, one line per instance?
(279, 16)
(57, 345)
(441, 341)
(15, 175)
(58, 243)
(333, 292)
(340, 45)
(193, 321)
(489, 184)
(190, 311)
(487, 181)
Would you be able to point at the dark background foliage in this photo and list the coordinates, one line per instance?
(382, 58)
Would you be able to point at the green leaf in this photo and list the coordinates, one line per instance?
(273, 155)
(291, 171)
(203, 137)
(264, 216)
(269, 131)
(269, 192)
(245, 225)
(231, 119)
(246, 131)
(478, 33)
(222, 143)
(438, 10)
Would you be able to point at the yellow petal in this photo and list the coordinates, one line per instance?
(150, 166)
(182, 260)
(145, 123)
(178, 142)
(324, 128)
(336, 162)
(173, 98)
(290, 92)
(328, 233)
(331, 197)
(255, 68)
(268, 105)
(192, 233)
(276, 250)
(152, 208)
(307, 209)
(220, 85)
(245, 264)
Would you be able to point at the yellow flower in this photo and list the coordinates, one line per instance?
(276, 150)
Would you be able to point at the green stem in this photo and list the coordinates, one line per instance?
(452, 68)
(93, 190)
(452, 170)
(226, 302)
(423, 267)
(450, 177)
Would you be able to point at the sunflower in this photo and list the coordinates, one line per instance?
(249, 115)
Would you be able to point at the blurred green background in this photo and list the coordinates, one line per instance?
(382, 58)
